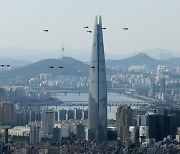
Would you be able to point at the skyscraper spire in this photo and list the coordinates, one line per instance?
(97, 87)
(62, 49)
(100, 21)
(96, 20)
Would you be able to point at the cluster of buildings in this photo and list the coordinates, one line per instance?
(13, 115)
(151, 130)
(138, 130)
(48, 80)
(41, 123)
(23, 94)
(160, 85)
(142, 126)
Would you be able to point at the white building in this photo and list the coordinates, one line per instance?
(19, 131)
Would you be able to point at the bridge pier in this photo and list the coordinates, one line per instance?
(110, 107)
(137, 105)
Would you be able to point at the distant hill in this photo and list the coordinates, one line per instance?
(138, 59)
(70, 67)
(142, 59)
(15, 63)
(75, 67)
(82, 55)
(160, 54)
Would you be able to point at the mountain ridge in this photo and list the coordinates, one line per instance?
(143, 59)
(15, 62)
(52, 66)
(80, 54)
(71, 66)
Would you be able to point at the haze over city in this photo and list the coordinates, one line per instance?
(152, 24)
(89, 77)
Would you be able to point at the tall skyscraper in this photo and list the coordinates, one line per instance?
(78, 114)
(35, 136)
(62, 114)
(48, 123)
(56, 135)
(151, 92)
(97, 113)
(159, 125)
(7, 114)
(162, 85)
(4, 133)
(124, 119)
(80, 131)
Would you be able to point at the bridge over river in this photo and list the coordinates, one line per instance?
(79, 91)
(85, 103)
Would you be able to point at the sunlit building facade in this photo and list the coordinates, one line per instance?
(97, 88)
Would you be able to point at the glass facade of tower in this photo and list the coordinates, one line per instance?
(97, 87)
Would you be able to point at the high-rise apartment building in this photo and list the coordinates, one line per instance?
(7, 114)
(78, 114)
(4, 133)
(56, 135)
(124, 119)
(48, 122)
(62, 114)
(162, 84)
(35, 135)
(159, 125)
(151, 92)
(124, 116)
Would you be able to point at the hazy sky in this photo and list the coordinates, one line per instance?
(152, 24)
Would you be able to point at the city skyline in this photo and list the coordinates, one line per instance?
(71, 85)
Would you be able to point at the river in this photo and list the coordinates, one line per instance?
(111, 111)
